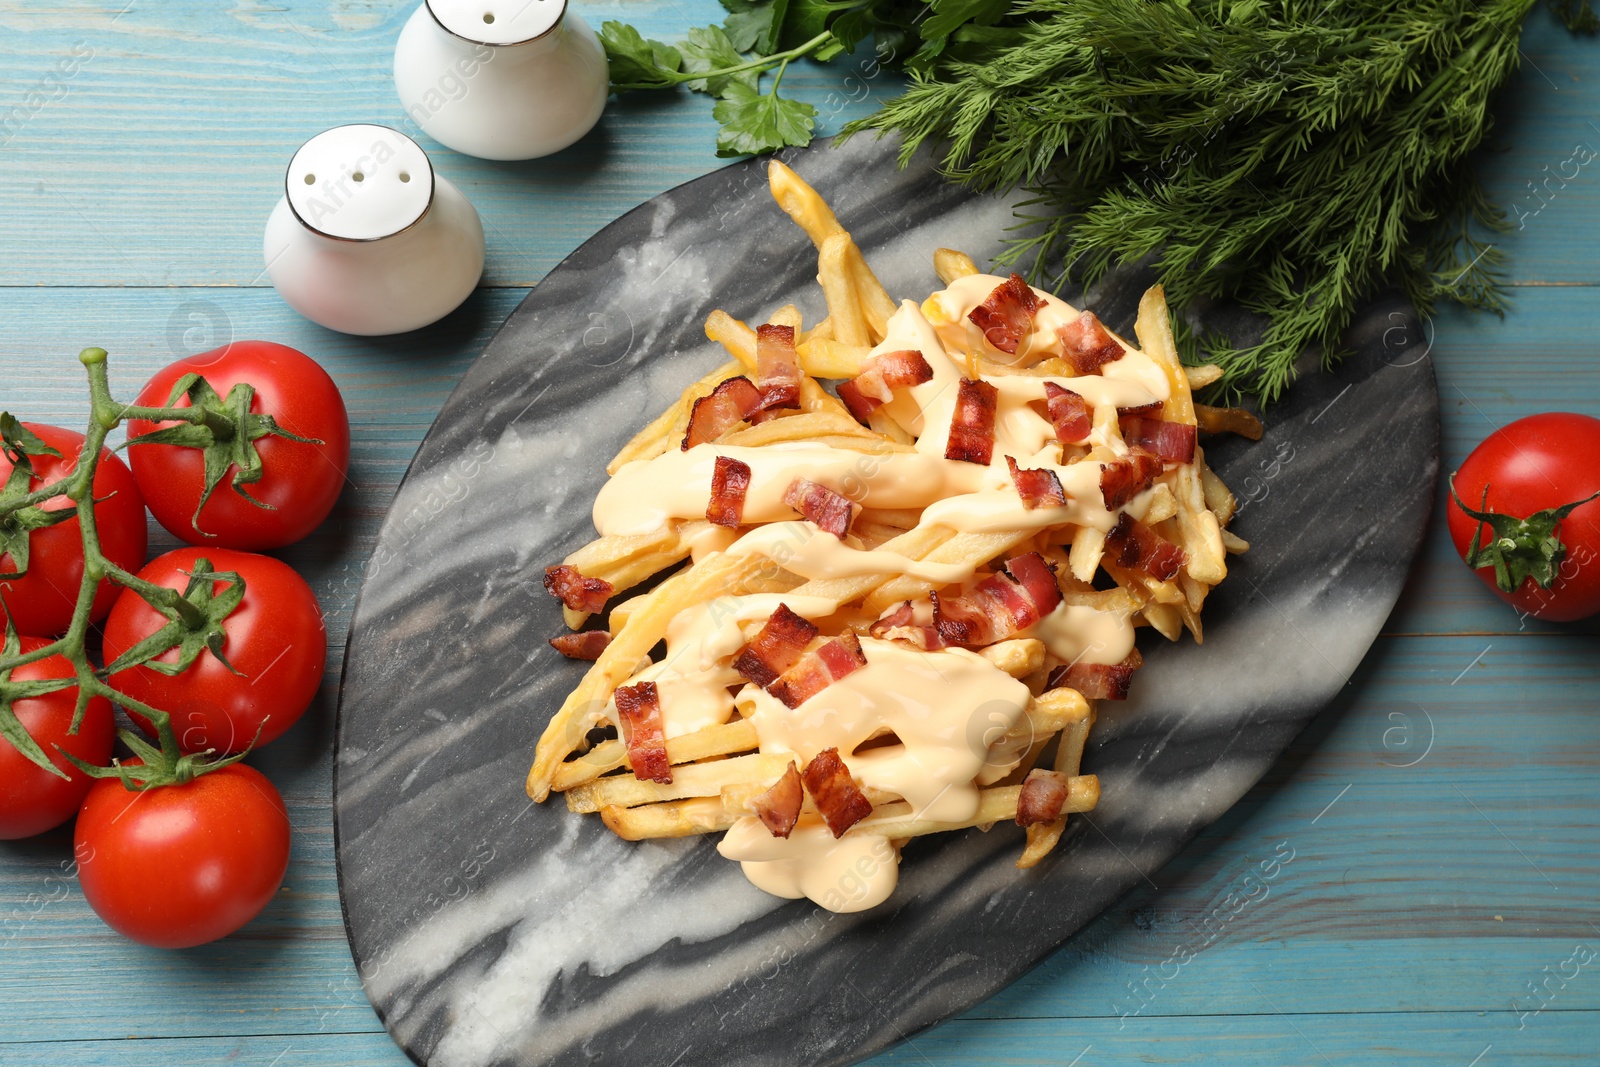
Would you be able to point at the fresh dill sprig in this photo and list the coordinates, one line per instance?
(1291, 157)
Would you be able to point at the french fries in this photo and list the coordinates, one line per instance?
(726, 771)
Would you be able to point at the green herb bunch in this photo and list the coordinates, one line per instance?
(1291, 156)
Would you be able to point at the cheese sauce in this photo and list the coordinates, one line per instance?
(920, 725)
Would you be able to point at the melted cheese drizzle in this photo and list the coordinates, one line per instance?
(943, 708)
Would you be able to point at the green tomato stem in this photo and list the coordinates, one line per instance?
(105, 415)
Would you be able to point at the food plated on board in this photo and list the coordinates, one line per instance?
(904, 600)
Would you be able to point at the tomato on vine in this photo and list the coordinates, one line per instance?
(41, 545)
(1525, 514)
(185, 863)
(234, 668)
(33, 800)
(265, 466)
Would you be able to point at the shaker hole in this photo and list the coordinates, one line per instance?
(358, 176)
(311, 179)
(488, 17)
(404, 176)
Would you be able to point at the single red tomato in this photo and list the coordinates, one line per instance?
(41, 601)
(1531, 466)
(274, 639)
(300, 481)
(179, 865)
(32, 800)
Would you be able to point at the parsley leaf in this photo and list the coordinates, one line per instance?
(636, 62)
(708, 48)
(753, 122)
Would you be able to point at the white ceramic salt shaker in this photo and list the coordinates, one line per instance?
(367, 239)
(501, 79)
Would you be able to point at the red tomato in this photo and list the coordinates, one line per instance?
(31, 799)
(275, 639)
(41, 601)
(300, 481)
(181, 865)
(1533, 464)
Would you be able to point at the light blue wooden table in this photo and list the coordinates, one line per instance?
(1442, 905)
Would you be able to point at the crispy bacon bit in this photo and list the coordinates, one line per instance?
(779, 646)
(639, 709)
(779, 807)
(1037, 488)
(1151, 409)
(911, 621)
(1038, 576)
(880, 375)
(1006, 317)
(1044, 794)
(1098, 681)
(730, 480)
(1087, 345)
(1134, 545)
(574, 590)
(1124, 479)
(586, 645)
(830, 785)
(829, 510)
(730, 403)
(777, 369)
(1172, 441)
(1069, 413)
(819, 669)
(972, 427)
(1000, 605)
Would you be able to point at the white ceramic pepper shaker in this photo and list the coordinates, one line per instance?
(501, 79)
(367, 239)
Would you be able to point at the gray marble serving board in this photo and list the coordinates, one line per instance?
(489, 931)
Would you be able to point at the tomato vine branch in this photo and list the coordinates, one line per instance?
(193, 623)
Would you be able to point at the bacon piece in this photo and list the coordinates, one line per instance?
(1124, 479)
(1134, 545)
(586, 645)
(880, 375)
(639, 709)
(1044, 794)
(1098, 681)
(1038, 576)
(1087, 345)
(730, 479)
(828, 781)
(972, 427)
(910, 622)
(1069, 413)
(1143, 410)
(729, 404)
(1006, 317)
(1000, 605)
(1037, 488)
(823, 506)
(779, 646)
(819, 669)
(779, 807)
(777, 369)
(574, 590)
(1172, 441)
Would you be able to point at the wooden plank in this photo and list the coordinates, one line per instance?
(1394, 881)
(1258, 1037)
(157, 161)
(118, 180)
